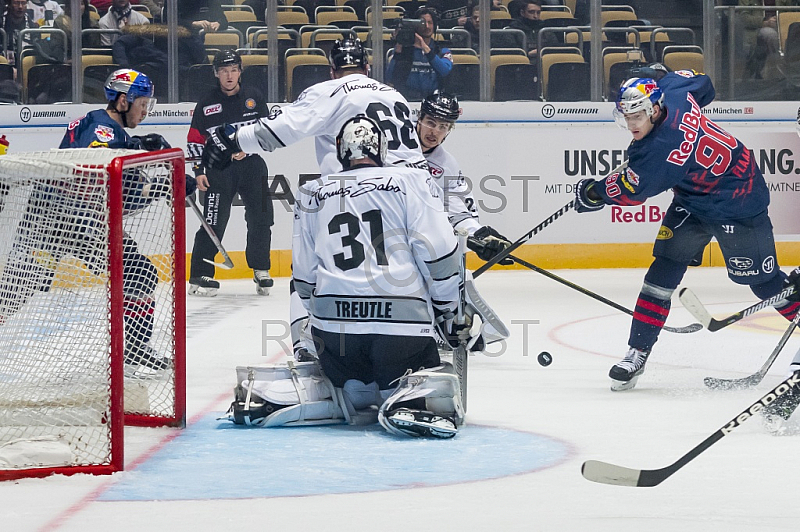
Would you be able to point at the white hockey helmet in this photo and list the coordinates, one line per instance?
(360, 137)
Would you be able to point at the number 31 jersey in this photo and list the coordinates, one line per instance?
(373, 251)
(322, 109)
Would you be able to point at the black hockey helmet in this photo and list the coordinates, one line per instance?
(440, 105)
(227, 58)
(348, 53)
(360, 137)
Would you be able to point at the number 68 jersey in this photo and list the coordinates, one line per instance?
(373, 252)
(322, 109)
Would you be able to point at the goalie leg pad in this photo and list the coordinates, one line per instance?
(425, 403)
(285, 395)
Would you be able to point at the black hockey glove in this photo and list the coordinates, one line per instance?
(191, 185)
(486, 243)
(586, 198)
(655, 71)
(793, 280)
(220, 147)
(151, 142)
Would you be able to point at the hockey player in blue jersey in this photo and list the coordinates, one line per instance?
(718, 192)
(130, 99)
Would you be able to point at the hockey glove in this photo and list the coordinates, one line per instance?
(486, 243)
(455, 334)
(151, 142)
(655, 71)
(220, 147)
(793, 280)
(586, 198)
(191, 185)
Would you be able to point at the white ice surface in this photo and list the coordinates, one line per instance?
(750, 480)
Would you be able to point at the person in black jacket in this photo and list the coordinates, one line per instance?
(232, 104)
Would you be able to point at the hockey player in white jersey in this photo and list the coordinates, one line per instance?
(376, 264)
(437, 118)
(321, 110)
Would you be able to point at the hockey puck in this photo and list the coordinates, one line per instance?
(545, 359)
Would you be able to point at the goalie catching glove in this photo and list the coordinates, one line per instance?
(220, 147)
(586, 198)
(486, 243)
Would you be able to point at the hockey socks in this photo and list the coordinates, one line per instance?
(649, 317)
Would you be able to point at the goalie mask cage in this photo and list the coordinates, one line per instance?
(92, 305)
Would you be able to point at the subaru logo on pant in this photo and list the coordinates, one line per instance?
(768, 265)
(740, 263)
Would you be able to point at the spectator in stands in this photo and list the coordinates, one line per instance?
(528, 19)
(417, 70)
(760, 34)
(64, 23)
(44, 12)
(144, 48)
(16, 20)
(202, 15)
(451, 13)
(473, 28)
(119, 16)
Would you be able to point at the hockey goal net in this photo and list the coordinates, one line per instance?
(92, 305)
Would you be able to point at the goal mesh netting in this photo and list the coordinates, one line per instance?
(91, 305)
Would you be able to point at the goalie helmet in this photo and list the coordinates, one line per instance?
(348, 53)
(360, 137)
(227, 58)
(440, 105)
(132, 83)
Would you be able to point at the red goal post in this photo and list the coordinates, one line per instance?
(92, 305)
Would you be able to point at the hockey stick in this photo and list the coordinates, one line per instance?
(228, 264)
(606, 473)
(694, 327)
(697, 309)
(755, 378)
(460, 353)
(530, 234)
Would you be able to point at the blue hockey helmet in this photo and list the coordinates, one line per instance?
(635, 95)
(132, 83)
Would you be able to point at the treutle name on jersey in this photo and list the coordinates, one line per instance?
(364, 309)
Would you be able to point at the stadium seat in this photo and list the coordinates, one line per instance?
(464, 78)
(229, 39)
(568, 82)
(620, 12)
(94, 81)
(197, 81)
(515, 82)
(612, 56)
(552, 55)
(683, 57)
(786, 19)
(305, 67)
(49, 83)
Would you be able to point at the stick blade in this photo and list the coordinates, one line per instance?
(692, 327)
(733, 384)
(606, 473)
(695, 307)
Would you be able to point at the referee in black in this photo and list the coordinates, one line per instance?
(230, 103)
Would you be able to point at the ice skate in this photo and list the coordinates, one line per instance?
(625, 373)
(145, 362)
(263, 282)
(203, 286)
(419, 423)
(776, 415)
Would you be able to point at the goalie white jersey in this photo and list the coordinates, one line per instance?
(455, 191)
(322, 109)
(373, 251)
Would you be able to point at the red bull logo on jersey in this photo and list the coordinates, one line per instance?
(104, 133)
